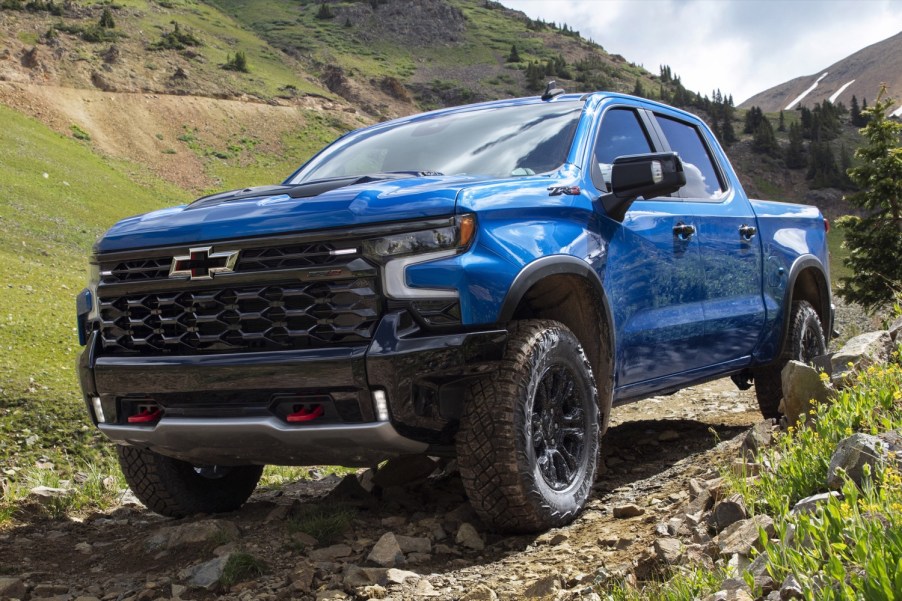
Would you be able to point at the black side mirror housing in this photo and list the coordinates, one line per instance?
(646, 175)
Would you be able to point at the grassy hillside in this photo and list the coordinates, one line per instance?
(56, 197)
(430, 53)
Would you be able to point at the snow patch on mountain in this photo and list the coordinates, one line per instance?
(897, 112)
(801, 96)
(840, 91)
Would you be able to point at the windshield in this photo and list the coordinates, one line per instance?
(497, 141)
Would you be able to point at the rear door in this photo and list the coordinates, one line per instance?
(728, 241)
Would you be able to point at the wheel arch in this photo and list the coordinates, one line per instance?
(566, 289)
(807, 281)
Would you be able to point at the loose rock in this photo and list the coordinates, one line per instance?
(801, 385)
(205, 575)
(628, 511)
(404, 470)
(386, 552)
(480, 593)
(810, 504)
(862, 352)
(469, 537)
(669, 551)
(729, 511)
(743, 535)
(858, 450)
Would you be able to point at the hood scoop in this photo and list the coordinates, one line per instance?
(305, 190)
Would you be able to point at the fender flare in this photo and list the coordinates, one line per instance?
(825, 310)
(552, 265)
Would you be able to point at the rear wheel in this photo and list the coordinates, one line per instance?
(529, 437)
(177, 488)
(806, 341)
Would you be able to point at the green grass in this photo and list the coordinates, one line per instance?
(56, 198)
(849, 547)
(240, 567)
(688, 585)
(324, 523)
(852, 545)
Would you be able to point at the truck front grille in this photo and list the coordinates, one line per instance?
(273, 317)
(267, 258)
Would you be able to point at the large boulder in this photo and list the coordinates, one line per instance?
(859, 450)
(802, 384)
(861, 352)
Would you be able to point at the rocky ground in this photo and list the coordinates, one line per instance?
(405, 540)
(407, 531)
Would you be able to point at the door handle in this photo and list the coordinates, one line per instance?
(747, 232)
(683, 231)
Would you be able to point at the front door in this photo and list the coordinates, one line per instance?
(653, 272)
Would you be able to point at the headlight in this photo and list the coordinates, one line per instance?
(399, 251)
(456, 236)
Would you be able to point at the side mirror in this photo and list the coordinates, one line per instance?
(646, 175)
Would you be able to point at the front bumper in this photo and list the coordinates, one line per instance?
(229, 409)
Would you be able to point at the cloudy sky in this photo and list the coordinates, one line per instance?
(740, 46)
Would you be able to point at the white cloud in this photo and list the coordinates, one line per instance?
(740, 46)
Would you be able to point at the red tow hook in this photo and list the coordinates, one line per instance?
(305, 414)
(145, 416)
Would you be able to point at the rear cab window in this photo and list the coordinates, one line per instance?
(703, 178)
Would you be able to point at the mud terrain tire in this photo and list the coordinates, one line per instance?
(176, 488)
(529, 437)
(805, 342)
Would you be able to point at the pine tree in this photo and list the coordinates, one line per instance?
(764, 141)
(795, 152)
(782, 125)
(637, 89)
(753, 117)
(514, 56)
(325, 12)
(106, 19)
(535, 76)
(715, 129)
(729, 134)
(874, 241)
(855, 113)
(822, 169)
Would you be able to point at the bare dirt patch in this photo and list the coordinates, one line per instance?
(146, 128)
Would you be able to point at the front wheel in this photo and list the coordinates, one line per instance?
(529, 437)
(177, 488)
(806, 341)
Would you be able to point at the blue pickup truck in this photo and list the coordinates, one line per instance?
(484, 282)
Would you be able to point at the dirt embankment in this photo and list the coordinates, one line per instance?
(171, 135)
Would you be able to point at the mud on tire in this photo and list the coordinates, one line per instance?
(805, 342)
(176, 488)
(529, 437)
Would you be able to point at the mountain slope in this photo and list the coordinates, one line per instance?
(859, 74)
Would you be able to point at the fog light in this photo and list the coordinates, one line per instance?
(380, 402)
(98, 409)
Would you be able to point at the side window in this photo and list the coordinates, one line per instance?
(621, 134)
(702, 180)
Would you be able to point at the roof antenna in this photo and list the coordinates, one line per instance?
(551, 90)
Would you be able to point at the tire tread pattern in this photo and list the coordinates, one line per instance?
(172, 488)
(495, 469)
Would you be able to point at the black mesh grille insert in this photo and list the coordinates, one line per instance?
(274, 317)
(136, 270)
(294, 256)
